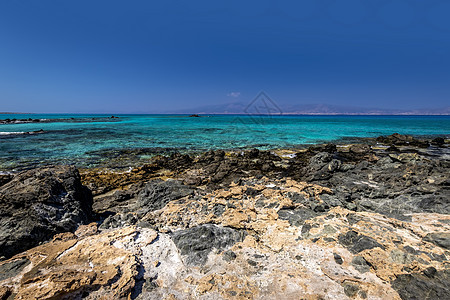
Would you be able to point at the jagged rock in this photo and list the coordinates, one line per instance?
(329, 148)
(129, 205)
(357, 242)
(296, 217)
(399, 139)
(319, 160)
(439, 141)
(102, 181)
(197, 242)
(360, 264)
(442, 239)
(201, 251)
(359, 149)
(423, 286)
(336, 222)
(157, 193)
(39, 203)
(96, 266)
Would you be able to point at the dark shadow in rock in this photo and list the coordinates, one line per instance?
(5, 178)
(140, 282)
(39, 203)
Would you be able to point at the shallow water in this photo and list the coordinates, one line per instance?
(88, 142)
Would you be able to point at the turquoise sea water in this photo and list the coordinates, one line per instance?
(85, 142)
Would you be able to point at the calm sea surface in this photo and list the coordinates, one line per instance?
(87, 140)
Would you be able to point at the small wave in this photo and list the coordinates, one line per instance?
(13, 133)
(20, 132)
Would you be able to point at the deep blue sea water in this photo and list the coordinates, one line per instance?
(85, 141)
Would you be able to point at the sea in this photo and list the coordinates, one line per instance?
(128, 140)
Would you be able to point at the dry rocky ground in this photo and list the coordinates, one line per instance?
(363, 221)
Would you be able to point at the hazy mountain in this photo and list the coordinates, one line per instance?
(269, 107)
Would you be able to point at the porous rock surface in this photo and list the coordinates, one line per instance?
(365, 221)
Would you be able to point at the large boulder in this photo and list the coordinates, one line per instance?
(37, 204)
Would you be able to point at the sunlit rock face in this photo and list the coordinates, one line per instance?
(349, 222)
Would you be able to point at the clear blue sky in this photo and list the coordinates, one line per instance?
(153, 56)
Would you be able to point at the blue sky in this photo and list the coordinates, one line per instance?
(156, 56)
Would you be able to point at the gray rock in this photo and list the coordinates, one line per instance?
(197, 242)
(157, 193)
(422, 286)
(330, 200)
(39, 203)
(319, 160)
(359, 149)
(351, 289)
(337, 258)
(441, 239)
(229, 255)
(392, 189)
(297, 216)
(360, 264)
(356, 243)
(13, 268)
(119, 220)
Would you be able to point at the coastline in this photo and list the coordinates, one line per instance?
(125, 159)
(359, 220)
(130, 140)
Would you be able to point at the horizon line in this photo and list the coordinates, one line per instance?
(225, 113)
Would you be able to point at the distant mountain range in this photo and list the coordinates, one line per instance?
(269, 107)
(266, 106)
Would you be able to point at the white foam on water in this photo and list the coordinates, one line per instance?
(13, 133)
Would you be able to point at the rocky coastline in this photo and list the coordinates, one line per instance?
(55, 120)
(352, 221)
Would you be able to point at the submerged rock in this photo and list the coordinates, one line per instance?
(37, 204)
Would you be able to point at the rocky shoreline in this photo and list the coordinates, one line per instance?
(358, 221)
(55, 120)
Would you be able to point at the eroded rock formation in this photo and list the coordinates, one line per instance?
(366, 221)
